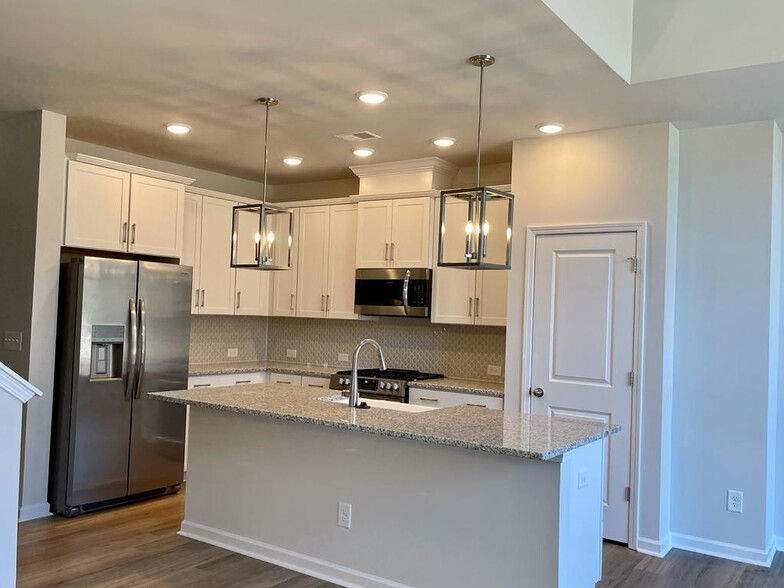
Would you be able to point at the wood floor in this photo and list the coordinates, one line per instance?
(137, 546)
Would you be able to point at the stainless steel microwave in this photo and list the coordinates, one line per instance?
(393, 292)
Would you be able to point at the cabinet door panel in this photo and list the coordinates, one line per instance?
(284, 283)
(247, 291)
(156, 216)
(96, 209)
(491, 287)
(217, 278)
(374, 229)
(191, 242)
(453, 296)
(411, 232)
(342, 261)
(312, 263)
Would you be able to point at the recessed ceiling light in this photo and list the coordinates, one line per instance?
(372, 96)
(444, 141)
(292, 160)
(178, 128)
(550, 128)
(363, 151)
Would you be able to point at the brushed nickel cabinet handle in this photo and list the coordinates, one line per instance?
(238, 299)
(327, 302)
(478, 405)
(315, 386)
(386, 251)
(392, 252)
(476, 307)
(125, 232)
(323, 297)
(202, 385)
(202, 298)
(281, 382)
(196, 301)
(470, 305)
(133, 234)
(291, 307)
(428, 399)
(242, 382)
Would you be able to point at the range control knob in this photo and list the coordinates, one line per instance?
(382, 385)
(341, 381)
(347, 382)
(395, 387)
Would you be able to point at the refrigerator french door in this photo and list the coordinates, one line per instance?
(124, 331)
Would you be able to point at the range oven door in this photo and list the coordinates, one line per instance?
(393, 292)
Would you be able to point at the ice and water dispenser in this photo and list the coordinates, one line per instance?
(107, 351)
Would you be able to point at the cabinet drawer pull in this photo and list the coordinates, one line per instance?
(315, 386)
(280, 382)
(133, 234)
(291, 307)
(386, 251)
(202, 298)
(322, 302)
(476, 307)
(202, 385)
(327, 302)
(428, 399)
(125, 232)
(391, 252)
(470, 305)
(242, 382)
(479, 405)
(238, 299)
(196, 301)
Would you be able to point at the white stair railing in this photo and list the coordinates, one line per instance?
(14, 392)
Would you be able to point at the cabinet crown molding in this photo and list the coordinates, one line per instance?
(426, 173)
(133, 169)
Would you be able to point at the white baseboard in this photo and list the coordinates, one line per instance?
(318, 568)
(34, 511)
(759, 557)
(778, 542)
(656, 548)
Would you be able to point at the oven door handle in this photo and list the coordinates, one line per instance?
(405, 290)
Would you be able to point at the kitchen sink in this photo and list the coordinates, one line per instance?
(386, 404)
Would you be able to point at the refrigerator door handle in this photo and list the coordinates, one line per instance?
(130, 368)
(142, 348)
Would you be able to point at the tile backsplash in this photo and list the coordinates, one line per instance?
(455, 350)
(213, 336)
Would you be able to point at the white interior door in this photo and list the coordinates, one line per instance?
(312, 262)
(411, 232)
(582, 346)
(342, 261)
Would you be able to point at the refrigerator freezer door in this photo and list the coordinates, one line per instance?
(158, 429)
(101, 413)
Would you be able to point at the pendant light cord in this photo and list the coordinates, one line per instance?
(479, 127)
(266, 151)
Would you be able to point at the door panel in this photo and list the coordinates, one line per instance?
(216, 277)
(101, 418)
(374, 230)
(491, 289)
(158, 428)
(453, 296)
(312, 265)
(342, 261)
(191, 243)
(156, 216)
(411, 232)
(96, 209)
(284, 283)
(583, 346)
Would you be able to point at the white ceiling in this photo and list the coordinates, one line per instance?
(121, 69)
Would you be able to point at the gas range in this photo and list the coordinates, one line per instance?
(388, 384)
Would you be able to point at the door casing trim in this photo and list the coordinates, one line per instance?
(640, 229)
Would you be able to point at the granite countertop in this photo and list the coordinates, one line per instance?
(525, 436)
(478, 387)
(245, 367)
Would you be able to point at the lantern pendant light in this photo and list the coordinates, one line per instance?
(262, 234)
(476, 223)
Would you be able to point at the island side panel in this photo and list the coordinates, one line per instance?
(422, 514)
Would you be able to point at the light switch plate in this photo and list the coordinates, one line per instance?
(233, 352)
(12, 341)
(292, 353)
(494, 370)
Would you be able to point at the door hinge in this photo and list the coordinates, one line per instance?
(631, 378)
(627, 492)
(634, 263)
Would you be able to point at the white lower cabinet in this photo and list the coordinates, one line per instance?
(315, 382)
(442, 399)
(275, 378)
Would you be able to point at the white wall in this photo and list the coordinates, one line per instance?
(613, 175)
(726, 337)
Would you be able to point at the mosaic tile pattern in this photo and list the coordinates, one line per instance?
(212, 336)
(456, 350)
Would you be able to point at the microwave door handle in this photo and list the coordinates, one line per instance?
(142, 347)
(130, 368)
(405, 291)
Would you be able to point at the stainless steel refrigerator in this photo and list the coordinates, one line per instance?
(123, 331)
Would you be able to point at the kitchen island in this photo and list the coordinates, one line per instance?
(449, 497)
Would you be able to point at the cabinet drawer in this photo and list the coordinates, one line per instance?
(443, 399)
(314, 382)
(285, 379)
(224, 380)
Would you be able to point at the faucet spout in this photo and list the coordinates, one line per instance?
(353, 397)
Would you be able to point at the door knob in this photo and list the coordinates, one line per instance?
(538, 392)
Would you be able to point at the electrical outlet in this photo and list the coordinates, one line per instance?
(292, 353)
(343, 357)
(12, 341)
(494, 370)
(344, 515)
(734, 501)
(233, 352)
(582, 479)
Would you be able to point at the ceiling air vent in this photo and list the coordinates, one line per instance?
(359, 136)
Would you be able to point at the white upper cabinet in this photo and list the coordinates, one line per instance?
(341, 265)
(394, 233)
(453, 296)
(113, 210)
(411, 235)
(216, 276)
(374, 233)
(96, 211)
(156, 216)
(312, 263)
(191, 243)
(252, 287)
(284, 283)
(490, 297)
